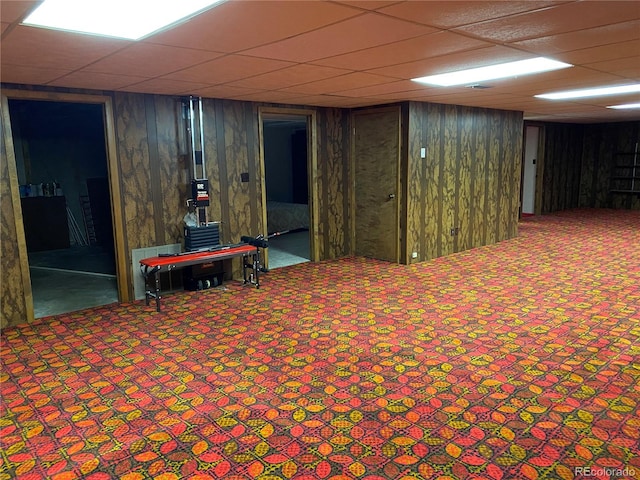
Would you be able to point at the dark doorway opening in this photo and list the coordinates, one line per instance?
(61, 162)
(287, 189)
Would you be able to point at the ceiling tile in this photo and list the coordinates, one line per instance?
(616, 33)
(368, 4)
(624, 67)
(29, 75)
(344, 82)
(424, 46)
(142, 59)
(453, 62)
(235, 26)
(42, 47)
(15, 10)
(365, 31)
(405, 86)
(449, 14)
(601, 53)
(99, 81)
(271, 97)
(553, 20)
(224, 91)
(568, 78)
(164, 86)
(295, 75)
(228, 69)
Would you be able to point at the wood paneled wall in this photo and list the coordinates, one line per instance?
(563, 145)
(335, 235)
(155, 176)
(578, 162)
(469, 180)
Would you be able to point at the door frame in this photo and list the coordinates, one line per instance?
(283, 113)
(399, 193)
(122, 272)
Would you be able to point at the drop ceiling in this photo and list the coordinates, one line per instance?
(349, 53)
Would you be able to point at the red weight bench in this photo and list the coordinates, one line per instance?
(152, 267)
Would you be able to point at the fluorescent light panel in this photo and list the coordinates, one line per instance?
(625, 106)
(132, 19)
(493, 72)
(591, 92)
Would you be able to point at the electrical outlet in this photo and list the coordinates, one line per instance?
(414, 255)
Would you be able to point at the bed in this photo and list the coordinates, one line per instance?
(282, 216)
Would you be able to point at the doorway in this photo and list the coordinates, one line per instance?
(530, 167)
(62, 169)
(288, 192)
(376, 153)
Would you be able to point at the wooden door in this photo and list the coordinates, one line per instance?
(376, 168)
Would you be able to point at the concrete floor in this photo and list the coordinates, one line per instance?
(58, 291)
(288, 249)
(72, 279)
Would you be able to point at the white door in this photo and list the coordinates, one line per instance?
(530, 161)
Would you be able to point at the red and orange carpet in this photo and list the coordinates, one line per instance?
(514, 361)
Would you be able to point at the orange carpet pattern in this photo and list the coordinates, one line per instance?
(514, 361)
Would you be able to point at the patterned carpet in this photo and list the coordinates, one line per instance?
(515, 361)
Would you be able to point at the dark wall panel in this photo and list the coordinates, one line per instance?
(464, 208)
(579, 164)
(415, 178)
(469, 180)
(172, 171)
(334, 183)
(135, 170)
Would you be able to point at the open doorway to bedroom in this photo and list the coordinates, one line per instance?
(285, 148)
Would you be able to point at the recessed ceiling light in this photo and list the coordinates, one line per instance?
(493, 72)
(131, 20)
(591, 92)
(625, 106)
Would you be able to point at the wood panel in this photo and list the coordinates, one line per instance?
(416, 182)
(212, 163)
(578, 165)
(333, 183)
(433, 194)
(448, 170)
(493, 177)
(172, 171)
(478, 178)
(470, 177)
(513, 157)
(464, 209)
(135, 180)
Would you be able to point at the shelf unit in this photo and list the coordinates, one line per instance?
(625, 174)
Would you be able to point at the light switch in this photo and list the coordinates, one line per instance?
(423, 152)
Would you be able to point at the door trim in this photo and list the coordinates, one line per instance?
(312, 169)
(399, 194)
(122, 271)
